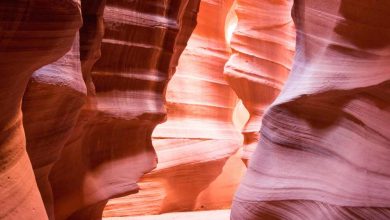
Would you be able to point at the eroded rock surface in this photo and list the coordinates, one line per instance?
(87, 116)
(59, 91)
(111, 148)
(79, 106)
(325, 144)
(198, 168)
(32, 34)
(263, 46)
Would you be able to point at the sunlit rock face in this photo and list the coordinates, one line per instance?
(79, 108)
(325, 144)
(87, 116)
(197, 166)
(110, 147)
(263, 46)
(32, 34)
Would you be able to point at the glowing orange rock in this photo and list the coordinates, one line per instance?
(110, 147)
(197, 166)
(263, 46)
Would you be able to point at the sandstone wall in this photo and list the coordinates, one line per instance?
(32, 34)
(263, 45)
(197, 168)
(87, 116)
(79, 107)
(324, 144)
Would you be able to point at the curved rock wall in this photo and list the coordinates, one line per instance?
(263, 46)
(90, 113)
(78, 109)
(111, 146)
(325, 144)
(48, 127)
(197, 168)
(28, 41)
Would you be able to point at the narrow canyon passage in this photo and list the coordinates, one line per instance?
(194, 109)
(199, 138)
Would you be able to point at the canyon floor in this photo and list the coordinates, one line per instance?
(194, 215)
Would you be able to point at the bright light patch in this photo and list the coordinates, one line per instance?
(230, 23)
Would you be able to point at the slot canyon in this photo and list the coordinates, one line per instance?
(194, 109)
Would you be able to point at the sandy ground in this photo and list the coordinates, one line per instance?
(199, 215)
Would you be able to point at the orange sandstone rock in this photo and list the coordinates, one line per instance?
(110, 147)
(32, 34)
(197, 166)
(263, 46)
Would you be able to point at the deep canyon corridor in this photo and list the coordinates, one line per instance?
(195, 109)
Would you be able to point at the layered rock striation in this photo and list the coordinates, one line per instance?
(198, 167)
(87, 116)
(111, 146)
(325, 144)
(263, 44)
(59, 91)
(32, 34)
(79, 107)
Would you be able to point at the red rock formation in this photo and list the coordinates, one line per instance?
(91, 34)
(263, 46)
(198, 141)
(325, 145)
(48, 127)
(86, 119)
(110, 147)
(62, 83)
(32, 34)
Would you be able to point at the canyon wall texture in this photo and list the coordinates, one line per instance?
(111, 146)
(263, 46)
(324, 149)
(198, 168)
(87, 116)
(59, 91)
(32, 34)
(85, 83)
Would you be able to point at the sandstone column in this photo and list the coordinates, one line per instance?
(263, 47)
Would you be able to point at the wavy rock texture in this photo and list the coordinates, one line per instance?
(263, 45)
(197, 168)
(91, 34)
(110, 147)
(32, 34)
(325, 145)
(48, 128)
(59, 91)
